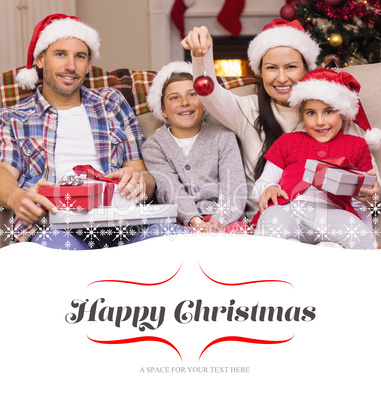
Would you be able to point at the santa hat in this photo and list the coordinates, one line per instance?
(156, 89)
(283, 33)
(51, 29)
(339, 90)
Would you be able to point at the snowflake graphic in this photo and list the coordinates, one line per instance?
(376, 232)
(322, 231)
(91, 232)
(298, 209)
(121, 232)
(145, 232)
(223, 209)
(353, 233)
(144, 212)
(271, 229)
(43, 231)
(375, 208)
(65, 208)
(9, 232)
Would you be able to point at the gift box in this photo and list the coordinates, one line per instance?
(111, 194)
(335, 180)
(82, 197)
(115, 217)
(112, 197)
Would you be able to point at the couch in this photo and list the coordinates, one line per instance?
(134, 86)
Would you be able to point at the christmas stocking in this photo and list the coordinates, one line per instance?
(230, 14)
(177, 14)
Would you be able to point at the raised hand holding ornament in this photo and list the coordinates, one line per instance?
(203, 85)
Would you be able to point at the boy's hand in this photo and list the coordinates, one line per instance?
(205, 227)
(271, 193)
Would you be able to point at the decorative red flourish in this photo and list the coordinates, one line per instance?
(137, 283)
(244, 283)
(139, 339)
(241, 339)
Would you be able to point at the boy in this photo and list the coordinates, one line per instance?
(195, 165)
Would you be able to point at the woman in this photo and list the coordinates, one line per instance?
(281, 54)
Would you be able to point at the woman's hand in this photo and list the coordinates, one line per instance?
(370, 192)
(198, 41)
(271, 193)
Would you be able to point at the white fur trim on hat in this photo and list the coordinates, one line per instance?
(27, 78)
(68, 28)
(373, 139)
(155, 90)
(283, 36)
(338, 96)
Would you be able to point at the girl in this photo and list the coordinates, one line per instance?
(325, 100)
(281, 54)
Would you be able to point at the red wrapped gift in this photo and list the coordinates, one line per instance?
(109, 185)
(82, 197)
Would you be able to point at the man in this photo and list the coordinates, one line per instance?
(64, 125)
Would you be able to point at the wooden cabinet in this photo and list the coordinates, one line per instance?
(17, 21)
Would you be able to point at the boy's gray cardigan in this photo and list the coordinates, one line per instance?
(209, 181)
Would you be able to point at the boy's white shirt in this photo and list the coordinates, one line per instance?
(185, 144)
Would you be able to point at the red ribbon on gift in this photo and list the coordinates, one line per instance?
(335, 163)
(92, 173)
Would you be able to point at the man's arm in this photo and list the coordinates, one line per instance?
(24, 203)
(135, 181)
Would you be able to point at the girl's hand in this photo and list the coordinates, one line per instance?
(198, 41)
(370, 192)
(271, 193)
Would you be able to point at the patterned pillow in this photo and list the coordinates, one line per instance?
(133, 85)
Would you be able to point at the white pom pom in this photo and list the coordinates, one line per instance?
(373, 138)
(27, 78)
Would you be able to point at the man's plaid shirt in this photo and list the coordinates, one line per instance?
(28, 133)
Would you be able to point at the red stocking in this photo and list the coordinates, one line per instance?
(177, 14)
(230, 14)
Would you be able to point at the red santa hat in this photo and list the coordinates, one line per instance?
(156, 89)
(283, 33)
(51, 29)
(339, 90)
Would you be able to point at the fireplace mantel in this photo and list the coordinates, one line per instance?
(165, 38)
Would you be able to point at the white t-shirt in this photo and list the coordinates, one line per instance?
(75, 143)
(185, 144)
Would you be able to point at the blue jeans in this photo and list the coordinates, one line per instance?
(93, 237)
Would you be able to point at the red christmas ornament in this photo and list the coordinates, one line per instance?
(288, 12)
(332, 3)
(203, 85)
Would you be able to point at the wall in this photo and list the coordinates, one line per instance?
(255, 15)
(123, 26)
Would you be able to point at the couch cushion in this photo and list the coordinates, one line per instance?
(369, 77)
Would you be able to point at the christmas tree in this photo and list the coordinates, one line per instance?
(348, 31)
